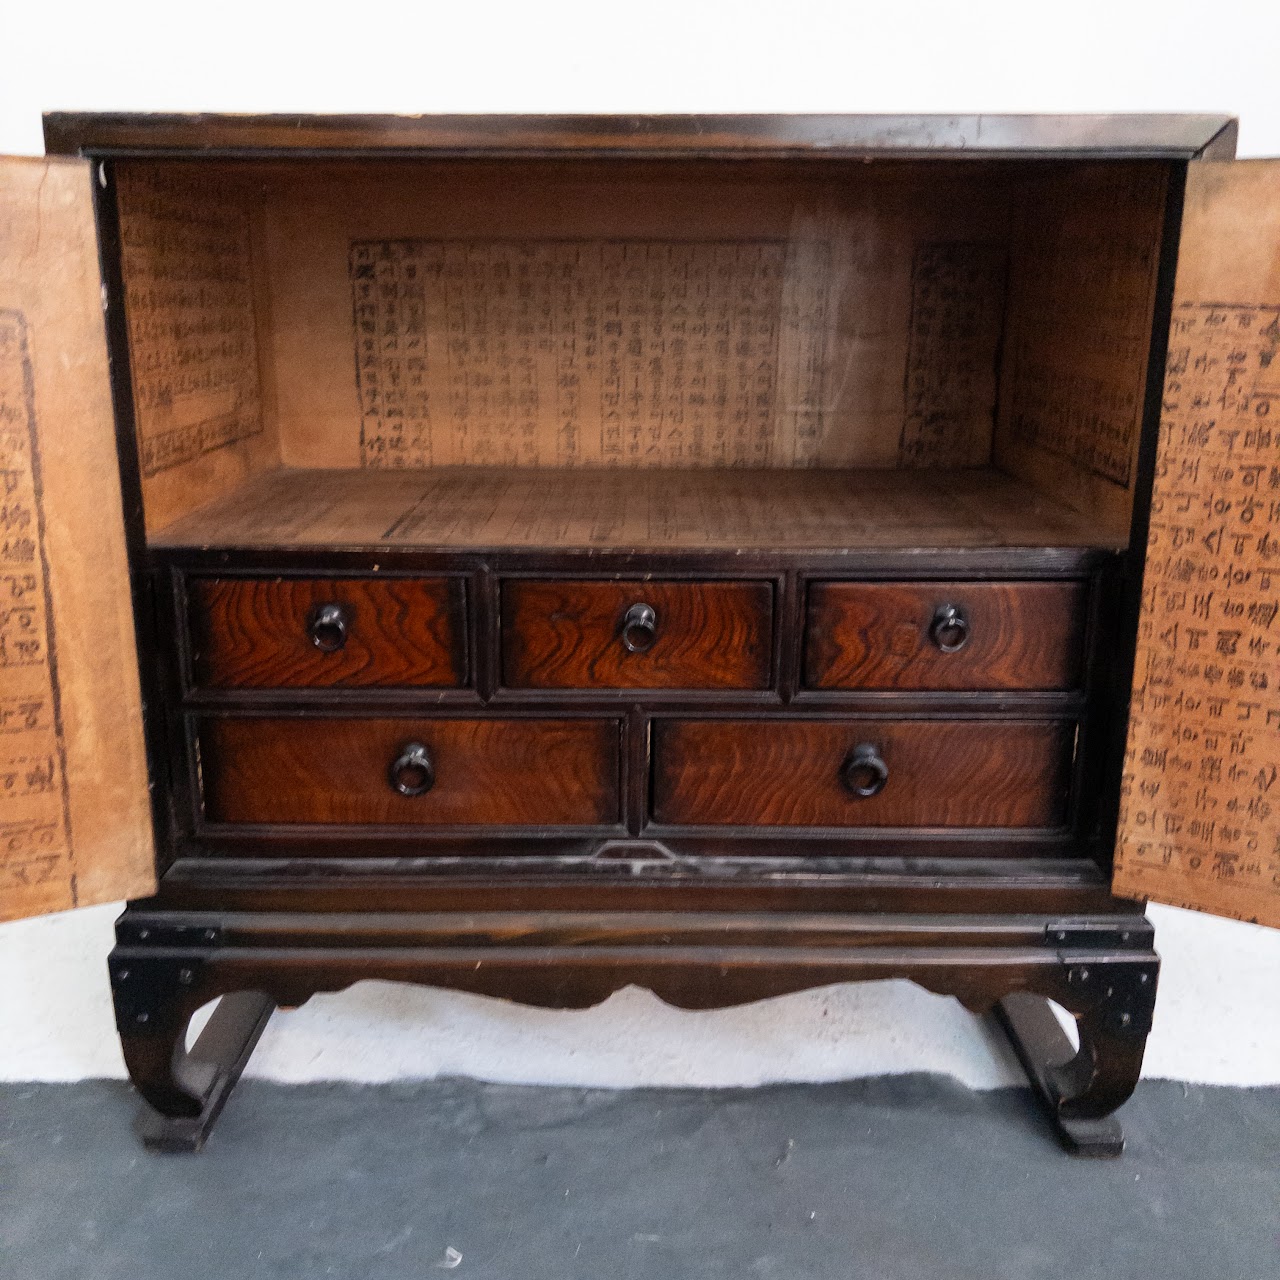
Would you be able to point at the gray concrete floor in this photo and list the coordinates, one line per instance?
(903, 1177)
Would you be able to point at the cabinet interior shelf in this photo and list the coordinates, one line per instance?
(484, 508)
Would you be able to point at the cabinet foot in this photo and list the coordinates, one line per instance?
(1080, 1088)
(207, 1073)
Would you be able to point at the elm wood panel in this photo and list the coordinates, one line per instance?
(941, 773)
(1023, 635)
(568, 635)
(488, 772)
(1175, 135)
(253, 633)
(597, 509)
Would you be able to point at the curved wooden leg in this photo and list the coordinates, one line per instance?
(155, 997)
(1082, 1087)
(160, 1068)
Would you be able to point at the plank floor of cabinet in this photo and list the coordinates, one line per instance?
(475, 508)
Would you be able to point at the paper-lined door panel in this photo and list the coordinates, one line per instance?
(1200, 820)
(75, 823)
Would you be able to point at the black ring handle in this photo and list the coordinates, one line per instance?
(639, 628)
(327, 627)
(864, 772)
(949, 629)
(411, 772)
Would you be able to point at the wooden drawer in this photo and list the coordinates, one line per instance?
(636, 635)
(482, 772)
(801, 773)
(945, 635)
(289, 633)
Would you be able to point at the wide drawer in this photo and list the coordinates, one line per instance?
(944, 635)
(636, 635)
(412, 771)
(288, 633)
(862, 773)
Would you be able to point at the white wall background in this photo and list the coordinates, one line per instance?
(1219, 1010)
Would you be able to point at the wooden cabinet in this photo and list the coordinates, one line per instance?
(730, 555)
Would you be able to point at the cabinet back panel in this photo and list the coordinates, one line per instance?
(692, 315)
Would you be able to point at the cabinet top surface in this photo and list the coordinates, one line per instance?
(836, 136)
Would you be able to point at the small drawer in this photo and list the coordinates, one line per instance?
(417, 772)
(293, 633)
(945, 635)
(636, 635)
(862, 773)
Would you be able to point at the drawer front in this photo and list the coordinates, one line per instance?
(808, 773)
(289, 633)
(940, 635)
(636, 635)
(472, 772)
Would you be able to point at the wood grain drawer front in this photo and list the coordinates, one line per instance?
(470, 772)
(636, 635)
(940, 635)
(915, 773)
(290, 633)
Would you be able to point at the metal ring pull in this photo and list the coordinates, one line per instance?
(949, 629)
(327, 627)
(864, 772)
(411, 772)
(639, 628)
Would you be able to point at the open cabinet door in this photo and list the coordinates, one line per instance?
(1200, 819)
(75, 822)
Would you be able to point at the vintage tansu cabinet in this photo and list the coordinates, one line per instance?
(728, 555)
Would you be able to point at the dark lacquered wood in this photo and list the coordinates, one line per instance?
(268, 633)
(1015, 635)
(210, 1070)
(826, 136)
(789, 772)
(531, 878)
(1044, 1050)
(593, 635)
(487, 772)
(559, 960)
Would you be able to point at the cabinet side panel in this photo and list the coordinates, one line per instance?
(1200, 817)
(75, 824)
(1086, 251)
(196, 313)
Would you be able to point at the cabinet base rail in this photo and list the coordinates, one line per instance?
(1101, 970)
